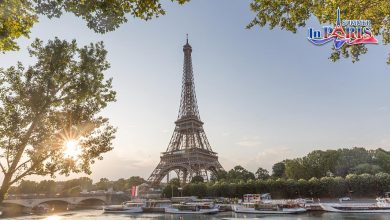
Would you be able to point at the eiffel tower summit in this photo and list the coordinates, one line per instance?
(189, 152)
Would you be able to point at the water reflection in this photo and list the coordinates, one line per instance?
(53, 217)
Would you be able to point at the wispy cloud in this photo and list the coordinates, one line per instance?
(250, 142)
(268, 157)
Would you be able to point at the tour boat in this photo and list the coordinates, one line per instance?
(382, 206)
(192, 208)
(268, 208)
(126, 207)
(263, 204)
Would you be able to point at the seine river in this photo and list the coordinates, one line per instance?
(98, 215)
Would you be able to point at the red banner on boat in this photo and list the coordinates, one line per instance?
(134, 191)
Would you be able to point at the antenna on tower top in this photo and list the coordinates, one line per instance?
(187, 38)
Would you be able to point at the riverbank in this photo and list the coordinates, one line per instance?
(98, 215)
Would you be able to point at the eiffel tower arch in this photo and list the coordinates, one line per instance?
(189, 152)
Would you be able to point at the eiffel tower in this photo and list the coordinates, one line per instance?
(189, 153)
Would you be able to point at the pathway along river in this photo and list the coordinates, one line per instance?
(98, 215)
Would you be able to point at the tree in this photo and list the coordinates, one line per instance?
(174, 182)
(135, 181)
(47, 187)
(44, 106)
(120, 185)
(27, 187)
(16, 20)
(197, 179)
(75, 186)
(382, 159)
(85, 183)
(278, 170)
(366, 168)
(17, 17)
(239, 173)
(350, 158)
(262, 173)
(218, 175)
(103, 184)
(295, 169)
(172, 188)
(291, 15)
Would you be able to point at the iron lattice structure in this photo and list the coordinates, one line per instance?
(189, 152)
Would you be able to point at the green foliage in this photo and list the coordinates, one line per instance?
(262, 173)
(126, 184)
(278, 170)
(171, 191)
(103, 184)
(290, 15)
(338, 163)
(366, 168)
(44, 105)
(296, 169)
(47, 187)
(328, 187)
(175, 182)
(103, 16)
(74, 186)
(197, 179)
(382, 158)
(219, 175)
(27, 187)
(18, 16)
(350, 158)
(16, 20)
(238, 173)
(195, 189)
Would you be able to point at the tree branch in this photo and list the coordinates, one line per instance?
(22, 164)
(28, 171)
(19, 154)
(2, 168)
(9, 143)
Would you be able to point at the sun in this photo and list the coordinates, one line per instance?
(72, 148)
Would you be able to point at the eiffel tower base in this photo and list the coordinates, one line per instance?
(187, 164)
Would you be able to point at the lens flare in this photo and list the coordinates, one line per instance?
(72, 148)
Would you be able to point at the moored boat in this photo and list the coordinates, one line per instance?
(354, 208)
(263, 204)
(126, 207)
(268, 208)
(381, 206)
(192, 208)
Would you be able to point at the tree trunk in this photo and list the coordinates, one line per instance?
(5, 186)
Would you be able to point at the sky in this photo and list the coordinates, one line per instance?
(264, 95)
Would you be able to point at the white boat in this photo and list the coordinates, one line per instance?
(263, 204)
(381, 206)
(126, 207)
(268, 208)
(192, 208)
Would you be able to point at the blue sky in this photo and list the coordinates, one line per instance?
(264, 95)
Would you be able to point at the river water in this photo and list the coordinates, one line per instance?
(98, 215)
